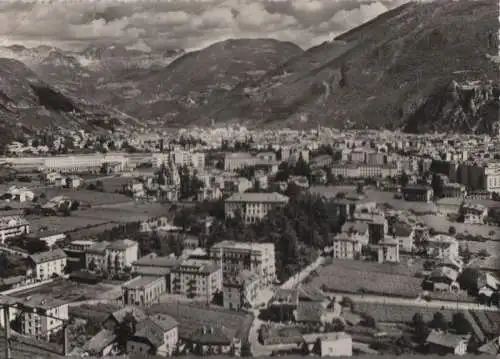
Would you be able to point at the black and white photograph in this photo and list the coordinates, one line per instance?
(249, 178)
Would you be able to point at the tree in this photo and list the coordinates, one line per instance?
(369, 321)
(439, 321)
(483, 253)
(452, 231)
(405, 179)
(417, 319)
(35, 245)
(125, 329)
(460, 323)
(469, 280)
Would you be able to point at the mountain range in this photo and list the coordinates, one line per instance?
(421, 67)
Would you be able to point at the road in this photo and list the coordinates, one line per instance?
(438, 304)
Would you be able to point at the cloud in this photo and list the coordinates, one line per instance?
(186, 24)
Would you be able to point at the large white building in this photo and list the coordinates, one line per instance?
(258, 258)
(43, 316)
(112, 257)
(12, 226)
(83, 163)
(47, 264)
(253, 207)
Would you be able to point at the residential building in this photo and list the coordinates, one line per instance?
(442, 246)
(212, 340)
(447, 343)
(388, 250)
(112, 257)
(473, 213)
(196, 278)
(84, 163)
(357, 230)
(103, 344)
(235, 257)
(12, 226)
(46, 265)
(453, 190)
(155, 335)
(236, 161)
(336, 344)
(43, 316)
(418, 193)
(241, 292)
(143, 291)
(253, 207)
(345, 247)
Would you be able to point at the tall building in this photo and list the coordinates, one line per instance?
(112, 257)
(258, 258)
(196, 278)
(253, 207)
(47, 264)
(43, 316)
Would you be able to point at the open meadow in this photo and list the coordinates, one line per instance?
(67, 290)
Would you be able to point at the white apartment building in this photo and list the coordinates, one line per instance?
(196, 278)
(112, 257)
(47, 264)
(258, 258)
(188, 158)
(236, 161)
(43, 316)
(253, 207)
(345, 246)
(83, 163)
(12, 226)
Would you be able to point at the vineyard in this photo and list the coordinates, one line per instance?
(345, 279)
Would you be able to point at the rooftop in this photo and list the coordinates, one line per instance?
(258, 197)
(48, 256)
(140, 282)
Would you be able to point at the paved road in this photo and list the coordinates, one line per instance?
(368, 298)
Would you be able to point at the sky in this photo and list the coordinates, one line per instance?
(179, 24)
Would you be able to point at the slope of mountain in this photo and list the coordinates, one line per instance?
(28, 104)
(197, 78)
(378, 74)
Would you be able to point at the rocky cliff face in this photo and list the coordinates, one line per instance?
(469, 107)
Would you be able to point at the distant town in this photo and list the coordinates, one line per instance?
(237, 242)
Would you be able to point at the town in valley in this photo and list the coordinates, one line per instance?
(237, 242)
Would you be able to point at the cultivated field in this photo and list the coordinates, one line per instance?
(398, 313)
(67, 290)
(94, 198)
(370, 277)
(63, 224)
(442, 225)
(193, 316)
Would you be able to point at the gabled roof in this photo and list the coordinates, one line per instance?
(48, 256)
(151, 327)
(445, 339)
(99, 341)
(210, 336)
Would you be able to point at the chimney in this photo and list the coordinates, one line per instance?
(66, 340)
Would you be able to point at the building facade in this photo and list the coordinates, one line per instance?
(196, 278)
(46, 265)
(143, 291)
(253, 207)
(12, 226)
(258, 258)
